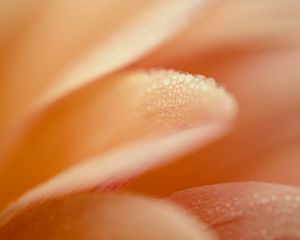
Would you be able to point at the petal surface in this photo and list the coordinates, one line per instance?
(127, 108)
(246, 210)
(252, 47)
(103, 216)
(93, 38)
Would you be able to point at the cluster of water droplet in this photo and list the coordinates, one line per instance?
(168, 96)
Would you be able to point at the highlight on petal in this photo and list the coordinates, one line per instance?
(246, 210)
(124, 124)
(95, 216)
(90, 37)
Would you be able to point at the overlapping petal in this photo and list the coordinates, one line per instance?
(130, 107)
(252, 47)
(128, 122)
(103, 216)
(89, 38)
(246, 210)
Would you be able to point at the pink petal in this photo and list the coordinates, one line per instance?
(246, 210)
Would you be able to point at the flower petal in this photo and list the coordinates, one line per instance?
(148, 106)
(87, 36)
(15, 15)
(103, 216)
(234, 24)
(246, 210)
(259, 63)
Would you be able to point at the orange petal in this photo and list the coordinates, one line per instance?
(246, 210)
(15, 16)
(126, 108)
(103, 216)
(86, 36)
